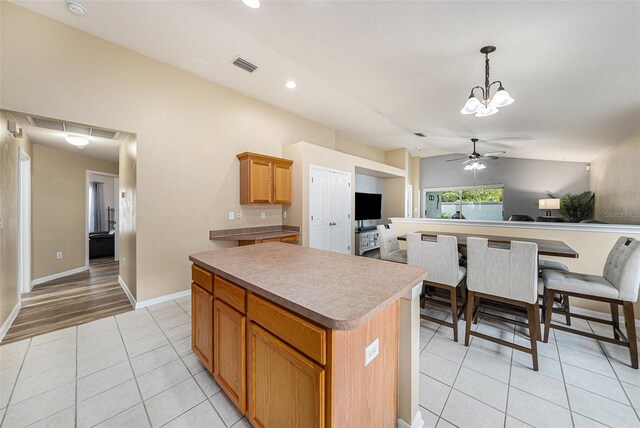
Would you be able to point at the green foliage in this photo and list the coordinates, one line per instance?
(445, 215)
(473, 195)
(575, 208)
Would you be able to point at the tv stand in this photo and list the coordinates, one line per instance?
(366, 240)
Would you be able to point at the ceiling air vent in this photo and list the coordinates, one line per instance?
(419, 134)
(58, 125)
(244, 64)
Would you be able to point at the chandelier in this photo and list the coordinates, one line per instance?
(487, 106)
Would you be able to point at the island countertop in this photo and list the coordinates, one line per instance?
(338, 291)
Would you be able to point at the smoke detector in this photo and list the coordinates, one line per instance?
(76, 8)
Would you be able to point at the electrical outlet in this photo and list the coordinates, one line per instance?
(263, 215)
(371, 351)
(239, 215)
(59, 255)
(232, 215)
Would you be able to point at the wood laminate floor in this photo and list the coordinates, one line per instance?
(69, 301)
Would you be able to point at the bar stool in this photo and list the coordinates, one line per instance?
(618, 285)
(505, 276)
(440, 258)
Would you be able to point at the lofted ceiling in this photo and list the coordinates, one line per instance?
(379, 71)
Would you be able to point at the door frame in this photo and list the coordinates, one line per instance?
(334, 171)
(116, 238)
(24, 223)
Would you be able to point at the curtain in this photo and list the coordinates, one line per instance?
(97, 219)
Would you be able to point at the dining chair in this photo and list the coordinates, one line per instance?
(439, 255)
(562, 300)
(389, 246)
(617, 286)
(504, 275)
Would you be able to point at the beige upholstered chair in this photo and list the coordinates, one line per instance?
(440, 257)
(563, 307)
(618, 285)
(389, 247)
(507, 276)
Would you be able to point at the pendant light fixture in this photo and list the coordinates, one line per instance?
(487, 106)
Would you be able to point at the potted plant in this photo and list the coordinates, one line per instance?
(576, 207)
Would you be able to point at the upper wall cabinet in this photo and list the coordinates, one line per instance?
(264, 179)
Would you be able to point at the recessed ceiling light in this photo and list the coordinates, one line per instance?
(77, 141)
(76, 8)
(291, 84)
(253, 4)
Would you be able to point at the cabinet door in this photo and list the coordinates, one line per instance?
(286, 389)
(260, 182)
(202, 325)
(281, 184)
(230, 352)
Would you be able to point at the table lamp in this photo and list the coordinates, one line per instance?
(549, 204)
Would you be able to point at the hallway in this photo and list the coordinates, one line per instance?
(69, 301)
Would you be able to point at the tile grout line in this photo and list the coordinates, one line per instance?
(135, 379)
(4, 416)
(192, 375)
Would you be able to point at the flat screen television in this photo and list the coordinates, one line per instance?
(368, 206)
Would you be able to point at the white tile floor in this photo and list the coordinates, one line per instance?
(137, 370)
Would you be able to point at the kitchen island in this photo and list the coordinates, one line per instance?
(302, 337)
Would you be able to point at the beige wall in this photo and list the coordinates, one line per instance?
(347, 145)
(305, 155)
(188, 133)
(127, 212)
(9, 215)
(59, 206)
(593, 247)
(615, 182)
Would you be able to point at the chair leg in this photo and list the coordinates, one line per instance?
(454, 312)
(630, 323)
(532, 309)
(548, 308)
(566, 309)
(615, 318)
(469, 316)
(476, 310)
(537, 315)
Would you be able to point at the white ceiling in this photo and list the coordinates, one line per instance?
(572, 67)
(99, 148)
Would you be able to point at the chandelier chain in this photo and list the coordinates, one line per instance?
(486, 76)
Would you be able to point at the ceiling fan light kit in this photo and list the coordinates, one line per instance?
(487, 106)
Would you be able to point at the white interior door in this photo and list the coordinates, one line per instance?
(330, 210)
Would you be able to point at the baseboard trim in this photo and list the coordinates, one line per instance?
(7, 324)
(126, 290)
(604, 315)
(58, 275)
(161, 299)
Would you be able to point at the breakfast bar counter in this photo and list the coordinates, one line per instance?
(302, 337)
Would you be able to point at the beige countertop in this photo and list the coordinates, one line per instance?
(338, 291)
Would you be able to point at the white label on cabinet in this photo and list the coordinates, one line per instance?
(371, 351)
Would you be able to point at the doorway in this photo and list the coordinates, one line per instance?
(330, 210)
(24, 222)
(101, 215)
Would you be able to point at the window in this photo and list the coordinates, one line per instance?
(471, 203)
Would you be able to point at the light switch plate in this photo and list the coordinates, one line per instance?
(371, 351)
(232, 215)
(263, 215)
(284, 214)
(59, 255)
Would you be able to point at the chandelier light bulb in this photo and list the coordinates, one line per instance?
(473, 105)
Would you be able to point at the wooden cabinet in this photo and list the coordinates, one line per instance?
(293, 238)
(230, 352)
(286, 389)
(264, 179)
(202, 325)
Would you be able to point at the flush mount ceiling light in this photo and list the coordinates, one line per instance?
(253, 4)
(291, 84)
(487, 106)
(77, 141)
(76, 8)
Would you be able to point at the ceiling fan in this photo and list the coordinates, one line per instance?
(473, 161)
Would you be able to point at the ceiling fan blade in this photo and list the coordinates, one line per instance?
(456, 159)
(485, 157)
(494, 153)
(467, 161)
